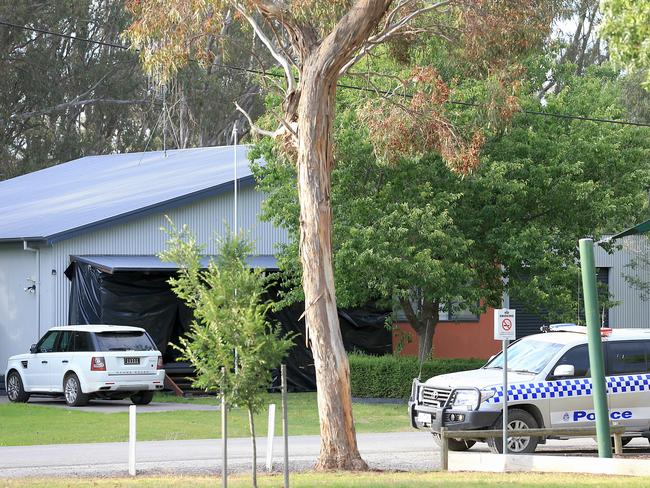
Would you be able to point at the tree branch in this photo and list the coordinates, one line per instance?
(391, 29)
(284, 62)
(258, 130)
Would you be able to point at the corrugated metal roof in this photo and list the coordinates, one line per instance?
(112, 263)
(64, 200)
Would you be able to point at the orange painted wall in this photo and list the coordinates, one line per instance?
(454, 339)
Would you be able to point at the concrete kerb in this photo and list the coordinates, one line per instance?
(498, 463)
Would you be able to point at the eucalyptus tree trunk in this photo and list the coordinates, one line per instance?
(315, 113)
(338, 439)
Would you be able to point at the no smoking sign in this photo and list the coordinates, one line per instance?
(504, 324)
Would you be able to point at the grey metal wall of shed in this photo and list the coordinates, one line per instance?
(206, 219)
(633, 312)
(18, 306)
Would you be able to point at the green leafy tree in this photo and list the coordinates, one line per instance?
(626, 27)
(436, 241)
(231, 344)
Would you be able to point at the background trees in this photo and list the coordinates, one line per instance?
(63, 98)
(435, 241)
(626, 27)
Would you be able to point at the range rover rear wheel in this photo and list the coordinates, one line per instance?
(142, 397)
(458, 445)
(15, 390)
(72, 391)
(517, 420)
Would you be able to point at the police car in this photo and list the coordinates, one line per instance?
(549, 385)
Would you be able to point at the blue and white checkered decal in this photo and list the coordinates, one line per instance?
(570, 388)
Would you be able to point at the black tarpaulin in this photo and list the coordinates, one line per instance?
(128, 298)
(145, 299)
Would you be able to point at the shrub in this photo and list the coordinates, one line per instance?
(391, 376)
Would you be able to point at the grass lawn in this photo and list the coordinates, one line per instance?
(25, 424)
(354, 480)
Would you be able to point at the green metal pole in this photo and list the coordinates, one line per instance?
(596, 363)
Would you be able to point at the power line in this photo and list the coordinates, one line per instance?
(65, 36)
(455, 102)
(341, 85)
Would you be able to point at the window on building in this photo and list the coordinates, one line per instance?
(454, 312)
(448, 313)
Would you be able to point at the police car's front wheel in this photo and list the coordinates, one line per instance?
(458, 445)
(517, 420)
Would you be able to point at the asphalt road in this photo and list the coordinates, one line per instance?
(409, 451)
(404, 450)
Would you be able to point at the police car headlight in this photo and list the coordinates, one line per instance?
(487, 394)
(414, 390)
(468, 399)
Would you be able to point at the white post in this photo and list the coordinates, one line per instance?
(270, 436)
(132, 431)
(505, 330)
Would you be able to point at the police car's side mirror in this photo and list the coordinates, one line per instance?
(564, 370)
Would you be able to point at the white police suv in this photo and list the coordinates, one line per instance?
(82, 362)
(549, 385)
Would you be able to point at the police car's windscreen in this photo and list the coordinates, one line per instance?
(527, 356)
(124, 341)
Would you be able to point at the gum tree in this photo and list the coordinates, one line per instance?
(315, 42)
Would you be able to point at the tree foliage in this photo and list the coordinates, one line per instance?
(436, 241)
(233, 347)
(227, 299)
(61, 98)
(626, 26)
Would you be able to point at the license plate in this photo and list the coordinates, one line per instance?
(424, 418)
(131, 360)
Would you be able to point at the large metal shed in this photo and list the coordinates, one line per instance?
(110, 209)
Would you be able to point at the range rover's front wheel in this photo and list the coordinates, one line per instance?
(15, 390)
(517, 420)
(458, 445)
(72, 391)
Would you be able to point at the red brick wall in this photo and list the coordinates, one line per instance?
(454, 339)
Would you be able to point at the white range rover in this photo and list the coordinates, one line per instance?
(82, 362)
(549, 385)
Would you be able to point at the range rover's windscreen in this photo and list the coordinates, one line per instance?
(124, 341)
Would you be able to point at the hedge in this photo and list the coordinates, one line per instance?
(391, 376)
